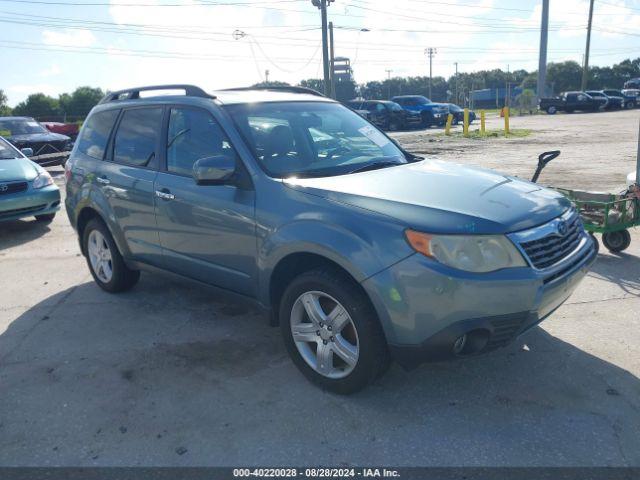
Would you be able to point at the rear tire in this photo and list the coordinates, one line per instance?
(105, 262)
(552, 110)
(616, 241)
(325, 291)
(45, 219)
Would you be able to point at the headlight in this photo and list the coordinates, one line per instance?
(42, 180)
(471, 253)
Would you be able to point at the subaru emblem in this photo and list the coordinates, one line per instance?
(562, 228)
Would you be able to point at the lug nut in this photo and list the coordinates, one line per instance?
(318, 332)
(321, 324)
(332, 339)
(324, 342)
(329, 328)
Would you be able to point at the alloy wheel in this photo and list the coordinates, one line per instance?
(324, 334)
(100, 256)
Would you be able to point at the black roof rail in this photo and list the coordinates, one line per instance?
(134, 93)
(289, 89)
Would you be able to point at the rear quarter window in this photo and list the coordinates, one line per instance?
(95, 133)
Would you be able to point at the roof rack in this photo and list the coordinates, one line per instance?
(289, 89)
(134, 93)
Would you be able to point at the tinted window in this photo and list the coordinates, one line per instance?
(193, 134)
(20, 126)
(137, 136)
(95, 133)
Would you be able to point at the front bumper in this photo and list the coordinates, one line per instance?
(425, 306)
(30, 203)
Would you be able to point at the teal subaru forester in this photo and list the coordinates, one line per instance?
(362, 251)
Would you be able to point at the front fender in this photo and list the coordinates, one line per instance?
(362, 248)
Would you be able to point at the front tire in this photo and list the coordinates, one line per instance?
(331, 331)
(552, 110)
(105, 261)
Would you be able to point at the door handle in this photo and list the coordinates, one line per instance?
(165, 195)
(103, 180)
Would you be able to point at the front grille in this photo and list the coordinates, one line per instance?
(43, 148)
(21, 211)
(550, 249)
(13, 187)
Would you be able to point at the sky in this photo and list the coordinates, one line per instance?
(54, 46)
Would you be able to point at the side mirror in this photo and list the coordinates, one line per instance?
(215, 170)
(27, 152)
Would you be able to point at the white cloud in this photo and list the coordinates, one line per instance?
(51, 71)
(68, 38)
(46, 88)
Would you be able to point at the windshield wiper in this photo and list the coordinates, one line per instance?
(375, 166)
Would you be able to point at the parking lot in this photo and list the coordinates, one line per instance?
(176, 374)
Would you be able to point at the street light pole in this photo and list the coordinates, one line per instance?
(430, 52)
(455, 95)
(388, 70)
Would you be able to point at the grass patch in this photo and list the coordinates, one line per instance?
(496, 133)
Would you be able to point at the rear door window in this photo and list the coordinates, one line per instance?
(95, 133)
(137, 137)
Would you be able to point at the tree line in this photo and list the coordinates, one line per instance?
(67, 107)
(561, 76)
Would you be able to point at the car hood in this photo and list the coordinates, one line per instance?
(442, 197)
(17, 169)
(37, 137)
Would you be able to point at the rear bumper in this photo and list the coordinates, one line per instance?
(424, 307)
(30, 203)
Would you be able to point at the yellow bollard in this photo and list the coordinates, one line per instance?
(506, 121)
(447, 127)
(465, 123)
(482, 125)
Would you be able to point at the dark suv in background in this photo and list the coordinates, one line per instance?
(387, 115)
(24, 132)
(430, 112)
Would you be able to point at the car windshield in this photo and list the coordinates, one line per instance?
(7, 152)
(312, 139)
(20, 126)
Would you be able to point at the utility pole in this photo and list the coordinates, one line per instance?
(331, 62)
(507, 99)
(266, 76)
(585, 68)
(430, 52)
(455, 95)
(322, 5)
(388, 70)
(542, 59)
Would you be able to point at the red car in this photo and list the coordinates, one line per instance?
(69, 129)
